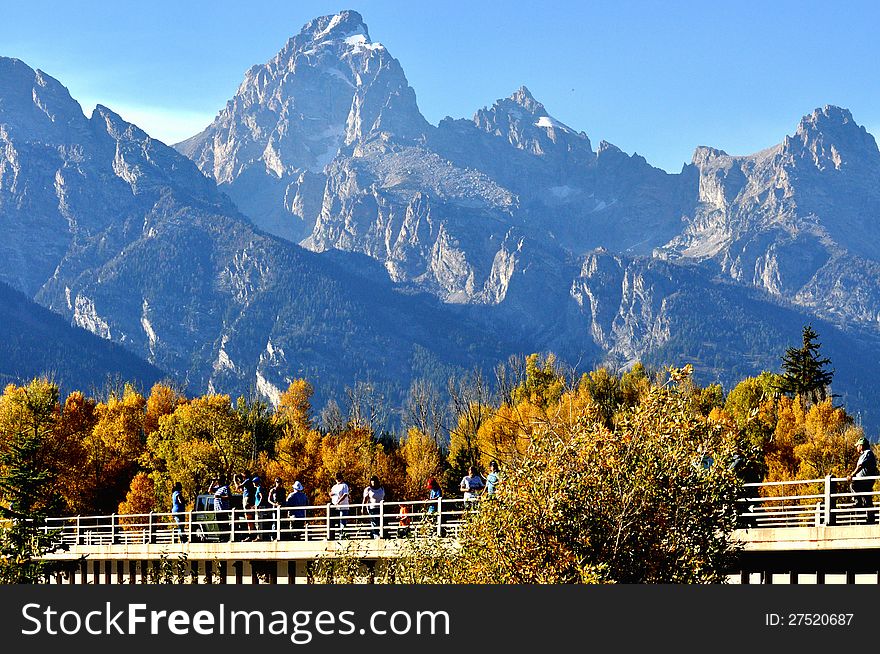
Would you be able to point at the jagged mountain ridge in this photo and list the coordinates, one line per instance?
(446, 208)
(497, 216)
(146, 252)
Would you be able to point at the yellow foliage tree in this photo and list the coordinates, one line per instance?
(507, 433)
(422, 460)
(163, 401)
(297, 458)
(141, 497)
(294, 409)
(114, 445)
(202, 439)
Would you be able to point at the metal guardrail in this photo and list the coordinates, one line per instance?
(440, 517)
(797, 503)
(807, 503)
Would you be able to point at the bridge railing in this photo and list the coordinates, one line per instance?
(808, 503)
(441, 517)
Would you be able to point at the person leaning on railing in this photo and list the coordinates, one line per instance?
(866, 466)
(339, 498)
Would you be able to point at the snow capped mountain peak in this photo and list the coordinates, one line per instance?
(339, 26)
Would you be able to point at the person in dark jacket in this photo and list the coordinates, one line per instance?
(295, 501)
(861, 479)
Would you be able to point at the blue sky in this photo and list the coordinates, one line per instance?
(657, 78)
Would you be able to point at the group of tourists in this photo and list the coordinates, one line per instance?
(259, 524)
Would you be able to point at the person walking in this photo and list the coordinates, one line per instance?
(866, 466)
(178, 508)
(340, 499)
(374, 495)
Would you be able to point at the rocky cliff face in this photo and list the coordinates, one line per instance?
(798, 220)
(129, 240)
(444, 208)
(329, 90)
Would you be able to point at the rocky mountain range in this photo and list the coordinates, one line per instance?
(320, 226)
(127, 239)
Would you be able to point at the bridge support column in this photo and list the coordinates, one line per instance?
(203, 571)
(297, 572)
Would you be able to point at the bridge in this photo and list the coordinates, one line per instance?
(276, 545)
(808, 531)
(801, 531)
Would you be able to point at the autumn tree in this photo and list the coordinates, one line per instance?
(163, 401)
(422, 460)
(141, 498)
(651, 501)
(357, 455)
(28, 415)
(200, 440)
(544, 381)
(294, 410)
(68, 457)
(114, 446)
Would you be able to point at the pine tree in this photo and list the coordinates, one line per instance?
(804, 371)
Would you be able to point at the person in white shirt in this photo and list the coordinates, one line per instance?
(340, 499)
(472, 484)
(374, 495)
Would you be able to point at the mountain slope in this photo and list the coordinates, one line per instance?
(35, 341)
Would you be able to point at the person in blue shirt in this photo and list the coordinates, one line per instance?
(492, 478)
(434, 493)
(178, 508)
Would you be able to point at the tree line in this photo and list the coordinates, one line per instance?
(625, 444)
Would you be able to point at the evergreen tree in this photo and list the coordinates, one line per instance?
(804, 371)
